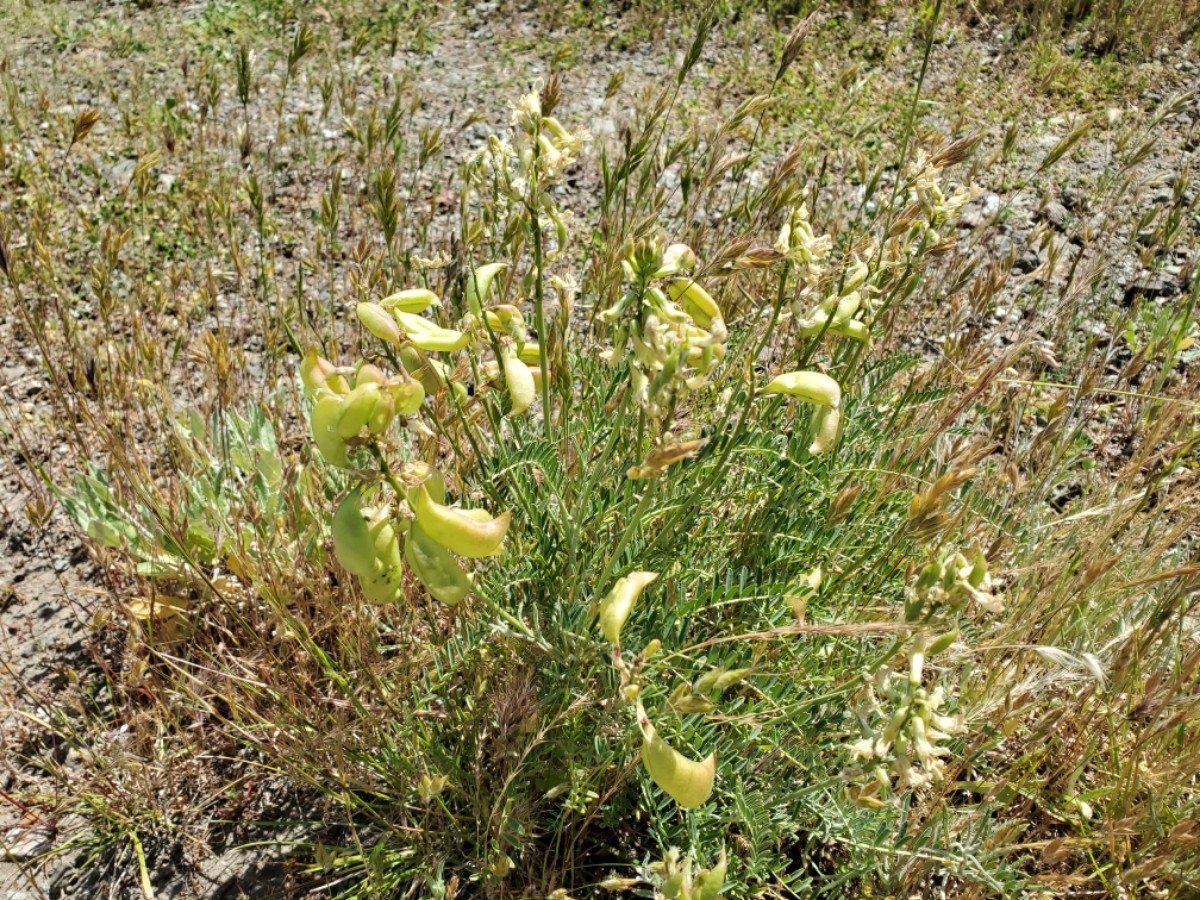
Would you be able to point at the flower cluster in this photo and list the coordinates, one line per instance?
(902, 724)
(903, 731)
(839, 310)
(677, 335)
(950, 581)
(519, 173)
(925, 207)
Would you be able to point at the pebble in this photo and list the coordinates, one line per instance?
(1074, 198)
(27, 843)
(1027, 261)
(1055, 213)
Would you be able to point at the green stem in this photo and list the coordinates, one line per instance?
(539, 303)
(630, 529)
(574, 516)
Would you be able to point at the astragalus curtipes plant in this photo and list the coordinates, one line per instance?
(577, 475)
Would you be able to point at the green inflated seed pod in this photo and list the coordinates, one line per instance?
(434, 567)
(324, 421)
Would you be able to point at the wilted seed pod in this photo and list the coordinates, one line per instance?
(379, 322)
(413, 300)
(326, 413)
(314, 370)
(428, 336)
(519, 379)
(811, 387)
(414, 474)
(458, 530)
(353, 543)
(699, 305)
(479, 282)
(428, 371)
(357, 409)
(435, 568)
(687, 782)
(618, 603)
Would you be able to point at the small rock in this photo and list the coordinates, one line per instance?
(27, 843)
(603, 127)
(120, 173)
(1074, 198)
(1155, 285)
(991, 205)
(1055, 214)
(1027, 261)
(971, 216)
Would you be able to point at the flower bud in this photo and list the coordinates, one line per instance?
(428, 336)
(695, 300)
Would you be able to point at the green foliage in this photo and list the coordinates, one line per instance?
(539, 513)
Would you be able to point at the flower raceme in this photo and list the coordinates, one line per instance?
(677, 335)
